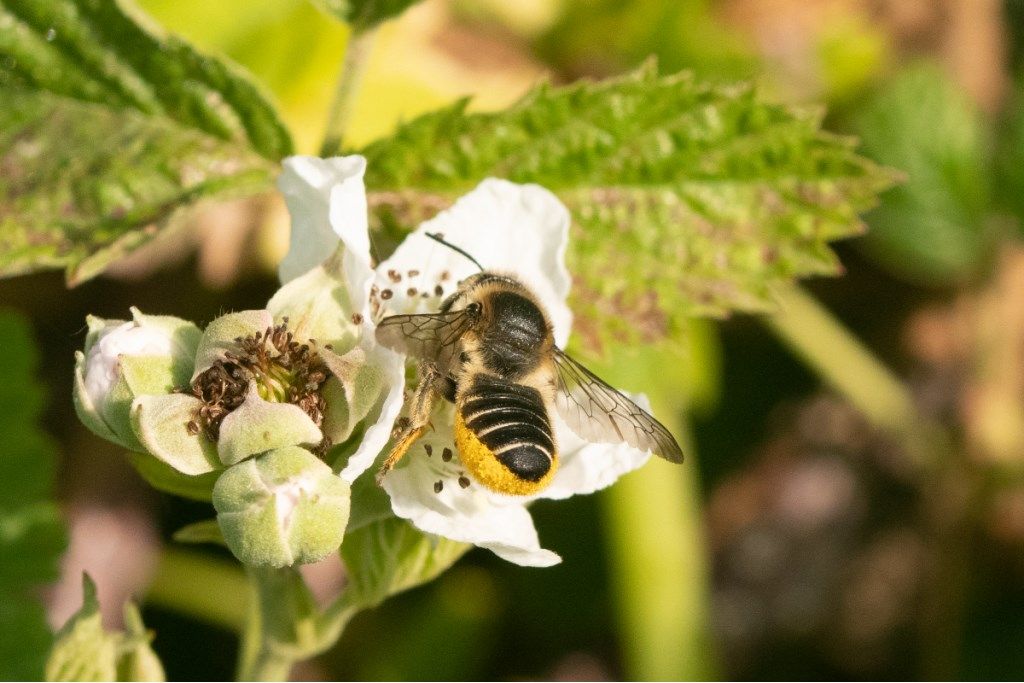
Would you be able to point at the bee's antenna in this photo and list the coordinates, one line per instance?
(440, 240)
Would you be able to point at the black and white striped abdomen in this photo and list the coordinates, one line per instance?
(511, 421)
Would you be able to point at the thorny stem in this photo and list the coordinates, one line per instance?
(357, 58)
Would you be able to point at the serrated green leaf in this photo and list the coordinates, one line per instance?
(32, 535)
(365, 13)
(107, 130)
(932, 228)
(688, 198)
(389, 555)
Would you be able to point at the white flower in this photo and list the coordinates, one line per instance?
(519, 229)
(124, 359)
(103, 362)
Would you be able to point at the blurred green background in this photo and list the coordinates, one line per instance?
(801, 540)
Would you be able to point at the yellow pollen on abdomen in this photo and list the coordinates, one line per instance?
(484, 465)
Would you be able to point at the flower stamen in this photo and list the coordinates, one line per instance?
(284, 371)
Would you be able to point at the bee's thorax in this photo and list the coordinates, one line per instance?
(514, 336)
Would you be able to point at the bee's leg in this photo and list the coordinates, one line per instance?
(419, 418)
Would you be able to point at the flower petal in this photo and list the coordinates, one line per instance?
(520, 229)
(588, 467)
(128, 339)
(327, 200)
(389, 372)
(87, 411)
(161, 424)
(317, 306)
(472, 514)
(258, 426)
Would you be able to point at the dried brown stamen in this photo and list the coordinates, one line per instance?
(284, 370)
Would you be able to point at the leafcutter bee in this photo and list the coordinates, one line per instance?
(491, 352)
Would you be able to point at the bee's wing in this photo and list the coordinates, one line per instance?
(597, 412)
(428, 336)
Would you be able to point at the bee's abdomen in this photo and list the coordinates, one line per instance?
(512, 422)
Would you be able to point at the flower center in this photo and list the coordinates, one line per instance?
(284, 371)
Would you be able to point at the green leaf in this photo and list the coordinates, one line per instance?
(688, 198)
(206, 531)
(933, 227)
(107, 130)
(83, 651)
(32, 535)
(389, 555)
(364, 14)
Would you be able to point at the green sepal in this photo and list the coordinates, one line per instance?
(258, 426)
(138, 376)
(281, 508)
(220, 335)
(84, 651)
(389, 555)
(161, 423)
(136, 660)
(351, 393)
(163, 477)
(184, 335)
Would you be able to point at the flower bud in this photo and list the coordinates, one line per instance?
(122, 360)
(281, 508)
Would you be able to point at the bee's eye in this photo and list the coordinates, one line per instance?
(473, 308)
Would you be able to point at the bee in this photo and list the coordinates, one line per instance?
(490, 351)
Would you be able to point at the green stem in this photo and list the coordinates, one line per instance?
(357, 58)
(657, 552)
(333, 620)
(951, 490)
(280, 630)
(815, 335)
(659, 573)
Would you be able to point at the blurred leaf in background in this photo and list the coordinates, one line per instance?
(107, 130)
(363, 14)
(1009, 179)
(934, 227)
(610, 36)
(420, 61)
(32, 536)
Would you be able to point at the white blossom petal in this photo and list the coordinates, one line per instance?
(519, 229)
(327, 201)
(587, 467)
(124, 339)
(378, 426)
(473, 514)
